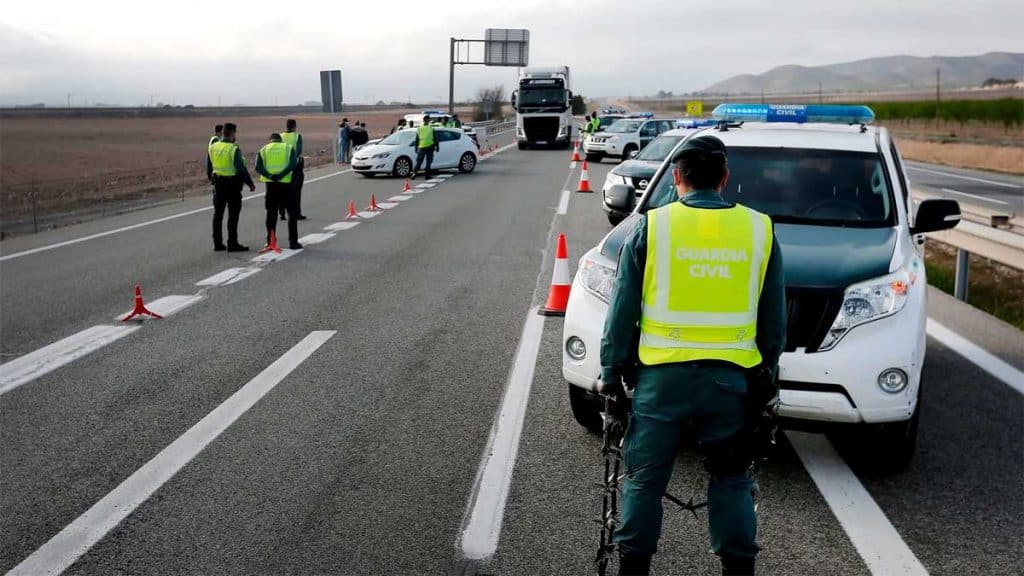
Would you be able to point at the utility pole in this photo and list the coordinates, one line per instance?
(451, 78)
(938, 78)
(69, 100)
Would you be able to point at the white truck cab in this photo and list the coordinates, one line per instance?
(543, 104)
(837, 192)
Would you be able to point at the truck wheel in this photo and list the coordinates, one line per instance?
(522, 145)
(586, 408)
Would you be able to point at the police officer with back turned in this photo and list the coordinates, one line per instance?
(697, 322)
(225, 167)
(294, 139)
(426, 144)
(276, 164)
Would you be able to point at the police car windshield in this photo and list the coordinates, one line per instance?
(798, 186)
(399, 138)
(659, 149)
(624, 126)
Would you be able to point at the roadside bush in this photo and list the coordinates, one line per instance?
(1007, 111)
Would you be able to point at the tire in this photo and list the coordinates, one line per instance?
(594, 157)
(402, 167)
(467, 163)
(367, 174)
(522, 145)
(893, 444)
(627, 151)
(614, 219)
(586, 408)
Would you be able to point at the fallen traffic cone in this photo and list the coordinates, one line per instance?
(576, 151)
(407, 187)
(584, 179)
(140, 308)
(272, 245)
(352, 210)
(558, 296)
(373, 205)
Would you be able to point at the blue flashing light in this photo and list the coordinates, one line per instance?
(695, 122)
(433, 113)
(796, 113)
(642, 115)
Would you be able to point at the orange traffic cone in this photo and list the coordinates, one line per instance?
(272, 245)
(584, 179)
(140, 308)
(373, 205)
(558, 295)
(352, 210)
(576, 151)
(407, 187)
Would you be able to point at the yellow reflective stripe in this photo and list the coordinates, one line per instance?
(654, 341)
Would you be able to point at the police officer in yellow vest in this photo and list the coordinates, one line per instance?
(697, 322)
(225, 167)
(217, 131)
(426, 144)
(294, 139)
(276, 165)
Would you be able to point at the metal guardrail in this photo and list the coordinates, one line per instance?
(995, 235)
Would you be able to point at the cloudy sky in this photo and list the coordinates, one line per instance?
(265, 52)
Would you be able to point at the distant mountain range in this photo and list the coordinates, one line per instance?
(878, 74)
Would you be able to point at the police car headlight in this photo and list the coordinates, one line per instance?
(866, 302)
(597, 278)
(612, 178)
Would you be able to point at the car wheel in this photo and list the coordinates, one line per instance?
(467, 163)
(593, 157)
(522, 145)
(627, 151)
(614, 218)
(586, 408)
(403, 167)
(368, 174)
(893, 444)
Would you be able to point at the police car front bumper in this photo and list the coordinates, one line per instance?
(605, 147)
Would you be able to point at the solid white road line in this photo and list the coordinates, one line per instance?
(984, 359)
(971, 178)
(482, 522)
(424, 186)
(387, 205)
(871, 533)
(26, 368)
(399, 198)
(61, 551)
(339, 226)
(563, 202)
(975, 196)
(229, 276)
(139, 225)
(315, 238)
(165, 306)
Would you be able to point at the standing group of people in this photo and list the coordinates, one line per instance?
(280, 166)
(350, 136)
(591, 124)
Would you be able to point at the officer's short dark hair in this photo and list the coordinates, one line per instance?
(426, 117)
(229, 128)
(218, 128)
(275, 137)
(702, 162)
(290, 123)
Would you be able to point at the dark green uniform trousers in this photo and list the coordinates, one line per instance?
(705, 401)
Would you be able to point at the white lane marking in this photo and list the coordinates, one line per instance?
(387, 205)
(975, 196)
(971, 178)
(139, 225)
(876, 540)
(984, 359)
(315, 238)
(339, 226)
(399, 198)
(563, 202)
(416, 190)
(482, 523)
(165, 306)
(229, 276)
(443, 177)
(424, 186)
(368, 214)
(436, 180)
(27, 368)
(267, 257)
(61, 551)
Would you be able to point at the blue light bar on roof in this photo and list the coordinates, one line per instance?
(433, 113)
(695, 123)
(797, 113)
(642, 115)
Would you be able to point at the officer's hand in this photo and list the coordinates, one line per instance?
(613, 388)
(275, 177)
(762, 386)
(615, 416)
(252, 187)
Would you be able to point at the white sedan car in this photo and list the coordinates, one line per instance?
(396, 154)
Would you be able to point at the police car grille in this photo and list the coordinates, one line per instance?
(637, 182)
(809, 314)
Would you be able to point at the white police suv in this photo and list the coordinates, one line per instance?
(624, 137)
(839, 196)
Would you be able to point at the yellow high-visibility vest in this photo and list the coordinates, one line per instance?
(290, 138)
(702, 283)
(222, 157)
(276, 156)
(425, 133)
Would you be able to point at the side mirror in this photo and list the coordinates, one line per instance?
(936, 214)
(514, 94)
(620, 197)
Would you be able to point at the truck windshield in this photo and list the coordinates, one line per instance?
(541, 97)
(800, 186)
(624, 126)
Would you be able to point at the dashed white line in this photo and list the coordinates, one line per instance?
(971, 178)
(984, 359)
(61, 551)
(482, 522)
(876, 540)
(165, 306)
(268, 257)
(563, 202)
(229, 276)
(387, 205)
(425, 186)
(139, 225)
(27, 368)
(399, 198)
(315, 238)
(975, 196)
(367, 214)
(339, 226)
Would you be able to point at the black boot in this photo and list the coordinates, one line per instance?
(634, 564)
(737, 566)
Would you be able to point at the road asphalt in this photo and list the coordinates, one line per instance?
(363, 457)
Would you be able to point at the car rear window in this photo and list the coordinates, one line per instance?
(801, 186)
